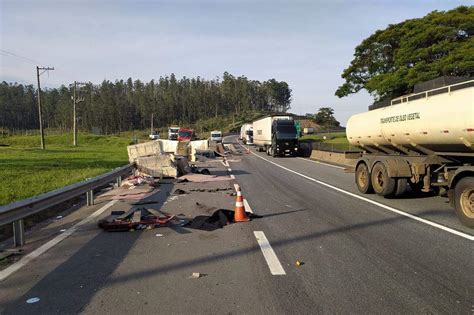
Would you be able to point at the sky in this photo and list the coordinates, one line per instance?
(305, 43)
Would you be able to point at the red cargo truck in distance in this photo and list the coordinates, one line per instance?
(185, 134)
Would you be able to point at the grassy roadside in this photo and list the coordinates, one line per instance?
(334, 141)
(339, 137)
(28, 171)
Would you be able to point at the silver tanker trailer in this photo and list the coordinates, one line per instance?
(425, 140)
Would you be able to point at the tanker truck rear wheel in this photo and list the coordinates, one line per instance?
(464, 201)
(362, 177)
(383, 184)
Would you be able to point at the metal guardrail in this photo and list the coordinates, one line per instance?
(17, 211)
(428, 93)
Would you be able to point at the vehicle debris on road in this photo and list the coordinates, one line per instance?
(217, 220)
(134, 219)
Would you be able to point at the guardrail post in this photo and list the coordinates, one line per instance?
(119, 181)
(18, 233)
(90, 198)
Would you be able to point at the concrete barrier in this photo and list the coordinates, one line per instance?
(157, 166)
(198, 145)
(332, 157)
(168, 146)
(143, 149)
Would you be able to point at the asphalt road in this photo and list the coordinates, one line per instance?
(355, 256)
(358, 257)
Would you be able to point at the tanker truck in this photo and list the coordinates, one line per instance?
(423, 140)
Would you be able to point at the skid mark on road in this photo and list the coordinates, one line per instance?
(433, 224)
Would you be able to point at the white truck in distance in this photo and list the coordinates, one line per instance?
(216, 135)
(425, 140)
(246, 134)
(173, 132)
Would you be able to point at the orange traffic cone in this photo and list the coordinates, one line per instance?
(239, 212)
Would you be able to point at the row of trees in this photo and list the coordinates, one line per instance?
(128, 105)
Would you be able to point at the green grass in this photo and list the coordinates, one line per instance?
(335, 141)
(329, 136)
(28, 171)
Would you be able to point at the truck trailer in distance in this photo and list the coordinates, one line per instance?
(276, 135)
(173, 132)
(216, 135)
(425, 140)
(246, 133)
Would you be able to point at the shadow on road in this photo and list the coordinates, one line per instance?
(255, 248)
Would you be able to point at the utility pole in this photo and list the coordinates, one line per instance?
(75, 101)
(152, 131)
(43, 146)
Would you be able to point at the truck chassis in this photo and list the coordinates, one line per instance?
(447, 174)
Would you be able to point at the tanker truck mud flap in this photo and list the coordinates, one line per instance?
(397, 167)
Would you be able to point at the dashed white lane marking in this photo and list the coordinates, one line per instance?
(236, 186)
(45, 247)
(322, 163)
(229, 169)
(232, 176)
(247, 206)
(273, 263)
(433, 224)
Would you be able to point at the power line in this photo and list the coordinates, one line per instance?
(12, 54)
(7, 53)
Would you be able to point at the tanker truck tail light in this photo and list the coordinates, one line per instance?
(470, 129)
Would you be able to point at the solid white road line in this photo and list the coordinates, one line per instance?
(273, 263)
(37, 252)
(322, 163)
(433, 224)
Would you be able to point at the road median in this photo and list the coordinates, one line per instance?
(337, 158)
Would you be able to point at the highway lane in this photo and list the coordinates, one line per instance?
(357, 257)
(96, 272)
(432, 208)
